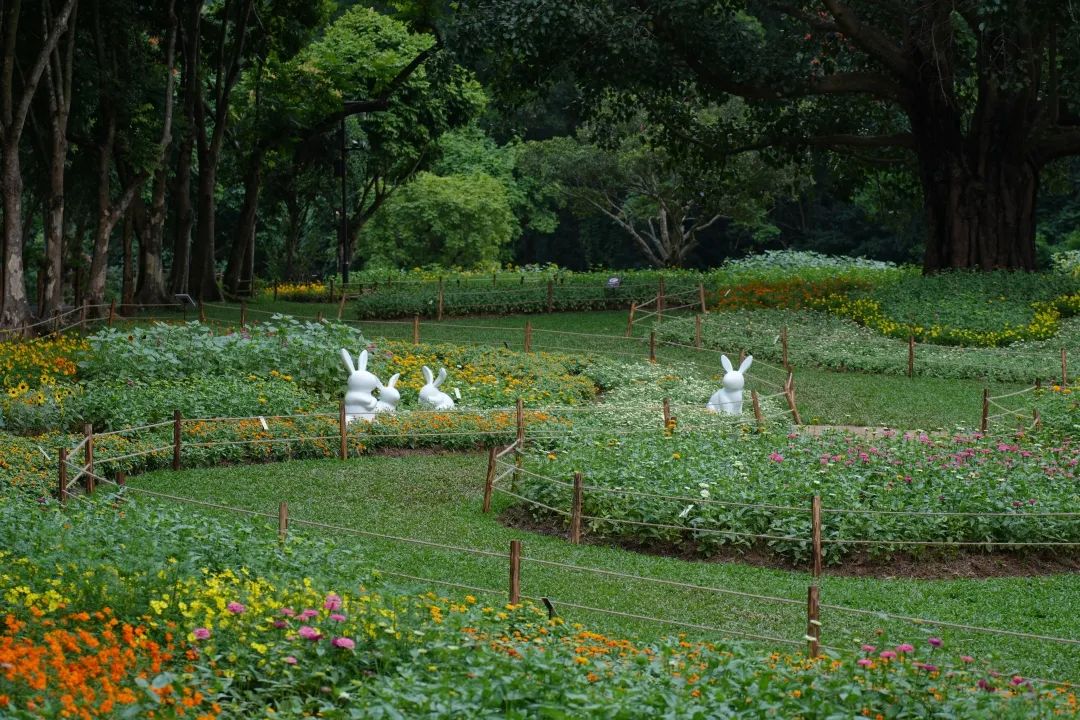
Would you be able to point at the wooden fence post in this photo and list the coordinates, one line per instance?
(667, 414)
(815, 532)
(343, 425)
(416, 329)
(630, 320)
(519, 416)
(789, 393)
(243, 313)
(439, 309)
(813, 620)
(202, 313)
(1064, 368)
(176, 439)
(701, 296)
(757, 410)
(112, 312)
(528, 336)
(319, 317)
(661, 300)
(121, 478)
(1037, 417)
(911, 356)
(331, 297)
(282, 521)
(784, 347)
(341, 305)
(985, 410)
(515, 572)
(61, 476)
(489, 480)
(85, 309)
(652, 346)
(551, 295)
(88, 458)
(697, 331)
(575, 511)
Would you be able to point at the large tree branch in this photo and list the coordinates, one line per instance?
(899, 140)
(16, 121)
(871, 40)
(1058, 143)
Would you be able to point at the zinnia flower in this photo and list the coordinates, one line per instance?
(338, 617)
(309, 633)
(887, 654)
(905, 648)
(865, 662)
(289, 660)
(936, 642)
(308, 614)
(333, 602)
(235, 608)
(343, 642)
(201, 633)
(868, 648)
(967, 659)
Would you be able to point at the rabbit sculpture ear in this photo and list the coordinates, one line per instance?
(726, 363)
(393, 380)
(347, 359)
(746, 363)
(361, 363)
(442, 376)
(428, 377)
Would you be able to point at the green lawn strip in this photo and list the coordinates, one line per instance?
(437, 498)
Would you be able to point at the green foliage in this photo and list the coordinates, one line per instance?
(462, 220)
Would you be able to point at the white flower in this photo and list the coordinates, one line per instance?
(704, 493)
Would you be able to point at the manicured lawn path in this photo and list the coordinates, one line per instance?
(437, 498)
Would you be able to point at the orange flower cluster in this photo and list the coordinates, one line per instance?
(85, 665)
(790, 293)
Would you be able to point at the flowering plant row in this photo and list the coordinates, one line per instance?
(179, 615)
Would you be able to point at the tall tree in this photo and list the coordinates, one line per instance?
(984, 94)
(16, 95)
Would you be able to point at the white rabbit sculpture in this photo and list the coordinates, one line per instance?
(389, 396)
(728, 399)
(359, 400)
(430, 395)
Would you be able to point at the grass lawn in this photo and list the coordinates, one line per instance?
(437, 498)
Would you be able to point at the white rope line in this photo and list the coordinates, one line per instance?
(117, 458)
(932, 513)
(530, 501)
(945, 543)
(1017, 392)
(687, 528)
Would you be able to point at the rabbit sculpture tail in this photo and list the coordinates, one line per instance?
(430, 395)
(728, 399)
(360, 402)
(389, 396)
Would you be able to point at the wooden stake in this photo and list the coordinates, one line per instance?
(176, 440)
(489, 480)
(494, 282)
(652, 346)
(660, 301)
(416, 329)
(985, 410)
(911, 356)
(757, 410)
(528, 336)
(439, 312)
(319, 317)
(551, 296)
(243, 313)
(1037, 417)
(575, 511)
(83, 311)
(515, 572)
(282, 521)
(112, 312)
(341, 306)
(343, 425)
(815, 531)
(121, 478)
(784, 347)
(667, 414)
(701, 295)
(789, 393)
(742, 356)
(630, 320)
(813, 620)
(331, 298)
(520, 418)
(697, 331)
(61, 476)
(202, 313)
(88, 458)
(1064, 368)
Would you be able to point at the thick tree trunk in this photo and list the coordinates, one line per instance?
(127, 283)
(203, 280)
(292, 238)
(183, 212)
(54, 226)
(151, 288)
(979, 215)
(243, 245)
(14, 307)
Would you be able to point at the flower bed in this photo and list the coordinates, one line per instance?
(721, 490)
(150, 610)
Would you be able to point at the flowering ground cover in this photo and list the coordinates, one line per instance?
(182, 615)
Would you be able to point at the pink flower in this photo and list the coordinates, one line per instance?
(333, 602)
(201, 633)
(309, 633)
(776, 457)
(279, 624)
(868, 648)
(288, 612)
(967, 659)
(887, 654)
(338, 617)
(1016, 680)
(905, 648)
(307, 614)
(343, 642)
(865, 662)
(936, 642)
(927, 667)
(289, 660)
(235, 608)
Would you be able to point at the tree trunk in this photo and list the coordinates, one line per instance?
(292, 238)
(979, 214)
(203, 280)
(151, 288)
(183, 211)
(244, 242)
(127, 285)
(14, 307)
(54, 226)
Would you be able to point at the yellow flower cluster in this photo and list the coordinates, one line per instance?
(26, 366)
(295, 291)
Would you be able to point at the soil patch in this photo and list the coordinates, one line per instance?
(960, 563)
